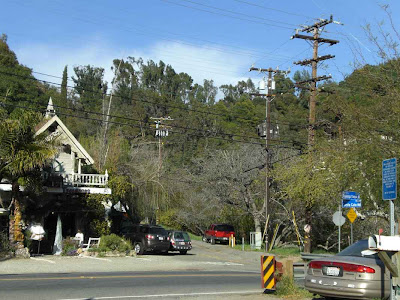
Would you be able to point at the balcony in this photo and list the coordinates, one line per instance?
(84, 180)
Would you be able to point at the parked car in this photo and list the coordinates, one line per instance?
(147, 238)
(180, 241)
(350, 274)
(218, 232)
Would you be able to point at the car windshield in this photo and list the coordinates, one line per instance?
(180, 235)
(157, 230)
(224, 228)
(355, 249)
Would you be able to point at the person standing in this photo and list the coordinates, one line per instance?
(37, 234)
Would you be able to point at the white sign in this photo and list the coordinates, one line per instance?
(338, 218)
(88, 190)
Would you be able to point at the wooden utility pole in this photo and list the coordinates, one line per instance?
(161, 132)
(268, 98)
(316, 29)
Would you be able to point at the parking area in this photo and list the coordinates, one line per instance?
(202, 257)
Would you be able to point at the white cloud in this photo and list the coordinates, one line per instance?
(200, 62)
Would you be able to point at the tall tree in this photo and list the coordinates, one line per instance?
(64, 84)
(90, 86)
(22, 154)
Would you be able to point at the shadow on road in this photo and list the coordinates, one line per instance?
(168, 254)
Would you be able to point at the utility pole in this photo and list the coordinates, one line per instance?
(161, 132)
(268, 99)
(316, 29)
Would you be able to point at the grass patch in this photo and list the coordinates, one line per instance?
(195, 237)
(288, 288)
(247, 248)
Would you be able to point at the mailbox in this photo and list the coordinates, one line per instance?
(384, 243)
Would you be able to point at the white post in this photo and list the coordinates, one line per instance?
(340, 214)
(79, 166)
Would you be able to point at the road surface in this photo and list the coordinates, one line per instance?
(129, 285)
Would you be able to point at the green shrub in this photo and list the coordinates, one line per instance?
(69, 247)
(99, 227)
(5, 246)
(114, 242)
(27, 238)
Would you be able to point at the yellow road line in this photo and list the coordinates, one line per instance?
(126, 276)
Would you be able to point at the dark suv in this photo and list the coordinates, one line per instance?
(147, 238)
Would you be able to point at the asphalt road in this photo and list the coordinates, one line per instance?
(130, 285)
(206, 272)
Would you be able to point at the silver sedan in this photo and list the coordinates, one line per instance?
(349, 275)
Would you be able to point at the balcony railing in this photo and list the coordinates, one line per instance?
(87, 179)
(79, 179)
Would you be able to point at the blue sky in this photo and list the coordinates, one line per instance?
(207, 39)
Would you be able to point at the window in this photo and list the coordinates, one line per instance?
(224, 228)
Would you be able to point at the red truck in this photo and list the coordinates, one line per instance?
(218, 232)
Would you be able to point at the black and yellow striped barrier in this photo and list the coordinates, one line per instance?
(268, 272)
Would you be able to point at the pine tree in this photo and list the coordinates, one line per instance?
(64, 85)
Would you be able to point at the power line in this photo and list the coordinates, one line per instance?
(221, 133)
(191, 37)
(226, 15)
(238, 13)
(274, 9)
(140, 100)
(161, 36)
(127, 124)
(138, 120)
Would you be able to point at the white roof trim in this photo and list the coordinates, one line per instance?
(83, 154)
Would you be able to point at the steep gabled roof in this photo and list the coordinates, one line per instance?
(66, 136)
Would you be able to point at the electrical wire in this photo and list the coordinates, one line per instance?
(141, 100)
(138, 120)
(246, 50)
(273, 9)
(226, 15)
(161, 36)
(237, 13)
(129, 124)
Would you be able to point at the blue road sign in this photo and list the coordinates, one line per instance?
(389, 179)
(351, 199)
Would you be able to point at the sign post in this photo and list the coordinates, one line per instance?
(339, 220)
(389, 192)
(389, 186)
(352, 215)
(351, 200)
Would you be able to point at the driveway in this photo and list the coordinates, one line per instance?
(203, 257)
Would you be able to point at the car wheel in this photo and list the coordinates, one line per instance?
(183, 251)
(212, 241)
(139, 248)
(204, 239)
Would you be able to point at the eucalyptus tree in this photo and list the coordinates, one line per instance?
(90, 86)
